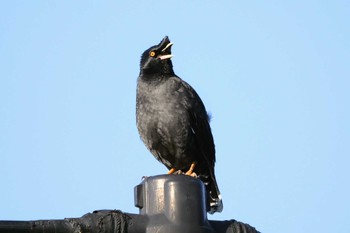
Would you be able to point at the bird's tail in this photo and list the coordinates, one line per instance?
(214, 196)
(215, 199)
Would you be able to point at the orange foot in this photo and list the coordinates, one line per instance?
(190, 171)
(171, 171)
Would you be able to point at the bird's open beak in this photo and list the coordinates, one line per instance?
(167, 56)
(167, 46)
(166, 51)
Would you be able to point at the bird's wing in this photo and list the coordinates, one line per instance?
(199, 121)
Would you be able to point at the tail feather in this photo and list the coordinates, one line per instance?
(215, 201)
(214, 196)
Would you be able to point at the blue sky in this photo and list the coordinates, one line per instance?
(274, 75)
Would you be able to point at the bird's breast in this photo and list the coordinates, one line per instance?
(160, 113)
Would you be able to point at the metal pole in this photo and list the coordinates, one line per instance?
(167, 203)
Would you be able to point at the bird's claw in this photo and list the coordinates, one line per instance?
(193, 174)
(171, 171)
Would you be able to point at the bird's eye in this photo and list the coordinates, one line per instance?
(152, 53)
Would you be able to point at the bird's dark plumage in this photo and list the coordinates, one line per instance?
(172, 120)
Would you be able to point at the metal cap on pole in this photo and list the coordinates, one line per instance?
(174, 203)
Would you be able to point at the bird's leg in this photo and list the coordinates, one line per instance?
(190, 171)
(171, 171)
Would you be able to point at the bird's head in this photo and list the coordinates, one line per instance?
(156, 60)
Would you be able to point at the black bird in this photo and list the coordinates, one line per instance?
(173, 122)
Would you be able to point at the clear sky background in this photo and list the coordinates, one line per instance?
(273, 74)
